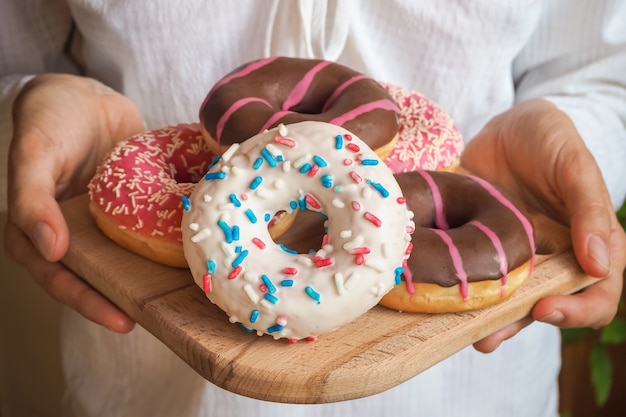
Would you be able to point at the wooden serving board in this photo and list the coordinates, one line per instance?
(378, 351)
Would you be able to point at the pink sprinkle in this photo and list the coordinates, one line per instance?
(356, 206)
(353, 147)
(363, 250)
(409, 248)
(356, 177)
(206, 282)
(290, 270)
(292, 341)
(372, 219)
(263, 288)
(243, 197)
(410, 229)
(360, 259)
(347, 136)
(325, 239)
(235, 272)
(311, 339)
(311, 201)
(321, 262)
(285, 141)
(347, 161)
(408, 277)
(401, 200)
(258, 242)
(314, 169)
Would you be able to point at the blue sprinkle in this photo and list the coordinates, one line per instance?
(267, 217)
(256, 182)
(257, 163)
(210, 264)
(254, 316)
(305, 168)
(286, 249)
(378, 187)
(249, 330)
(238, 249)
(275, 328)
(399, 270)
(233, 199)
(235, 233)
(320, 161)
(214, 161)
(302, 203)
(312, 293)
(369, 162)
(286, 283)
(240, 258)
(293, 204)
(228, 233)
(215, 175)
(338, 142)
(186, 203)
(271, 298)
(251, 216)
(327, 181)
(267, 155)
(280, 158)
(271, 288)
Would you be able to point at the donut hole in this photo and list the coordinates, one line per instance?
(304, 234)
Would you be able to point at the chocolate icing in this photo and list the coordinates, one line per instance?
(463, 199)
(304, 87)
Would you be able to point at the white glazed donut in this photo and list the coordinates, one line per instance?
(269, 288)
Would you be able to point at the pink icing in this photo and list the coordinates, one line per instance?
(440, 218)
(299, 91)
(236, 106)
(363, 108)
(456, 261)
(340, 89)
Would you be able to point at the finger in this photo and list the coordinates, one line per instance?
(491, 342)
(64, 286)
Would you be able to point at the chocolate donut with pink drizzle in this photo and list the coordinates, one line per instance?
(278, 90)
(472, 247)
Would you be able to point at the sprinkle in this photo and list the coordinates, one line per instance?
(338, 142)
(215, 175)
(378, 187)
(359, 260)
(251, 216)
(286, 283)
(194, 227)
(311, 201)
(356, 177)
(235, 272)
(348, 162)
(281, 320)
(240, 258)
(257, 163)
(207, 198)
(258, 242)
(245, 328)
(322, 262)
(293, 204)
(327, 181)
(281, 140)
(235, 233)
(339, 283)
(201, 235)
(256, 182)
(312, 293)
(251, 277)
(286, 249)
(286, 166)
(282, 129)
(215, 160)
(238, 249)
(271, 288)
(401, 200)
(370, 162)
(336, 202)
(353, 147)
(314, 169)
(233, 199)
(398, 274)
(271, 298)
(269, 158)
(320, 161)
(186, 203)
(363, 250)
(211, 265)
(254, 316)
(372, 219)
(267, 217)
(356, 206)
(206, 283)
(348, 136)
(290, 270)
(354, 243)
(345, 234)
(252, 295)
(301, 161)
(230, 151)
(275, 328)
(306, 167)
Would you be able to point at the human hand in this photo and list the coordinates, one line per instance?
(534, 152)
(63, 126)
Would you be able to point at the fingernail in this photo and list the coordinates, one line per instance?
(555, 317)
(599, 252)
(43, 237)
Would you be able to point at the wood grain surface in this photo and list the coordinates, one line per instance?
(378, 351)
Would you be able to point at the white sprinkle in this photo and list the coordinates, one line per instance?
(339, 283)
(328, 248)
(279, 184)
(207, 198)
(194, 227)
(286, 166)
(301, 161)
(267, 304)
(354, 243)
(251, 277)
(345, 234)
(336, 202)
(351, 280)
(201, 235)
(282, 320)
(282, 130)
(230, 151)
(263, 193)
(304, 260)
(273, 149)
(226, 206)
(236, 170)
(252, 295)
(366, 192)
(384, 248)
(378, 265)
(227, 250)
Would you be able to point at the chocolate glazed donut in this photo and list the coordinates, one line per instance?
(471, 248)
(265, 93)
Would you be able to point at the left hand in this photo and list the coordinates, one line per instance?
(534, 152)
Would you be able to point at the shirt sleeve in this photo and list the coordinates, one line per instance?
(576, 58)
(34, 38)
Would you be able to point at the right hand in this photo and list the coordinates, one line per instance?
(63, 127)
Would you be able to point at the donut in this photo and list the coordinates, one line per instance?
(135, 194)
(472, 247)
(270, 288)
(279, 90)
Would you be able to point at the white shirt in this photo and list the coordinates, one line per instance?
(474, 58)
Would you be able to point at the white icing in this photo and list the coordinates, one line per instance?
(257, 284)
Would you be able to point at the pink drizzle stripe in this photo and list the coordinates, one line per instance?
(505, 202)
(298, 92)
(363, 108)
(456, 260)
(245, 71)
(408, 277)
(274, 118)
(440, 219)
(340, 89)
(497, 244)
(235, 106)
